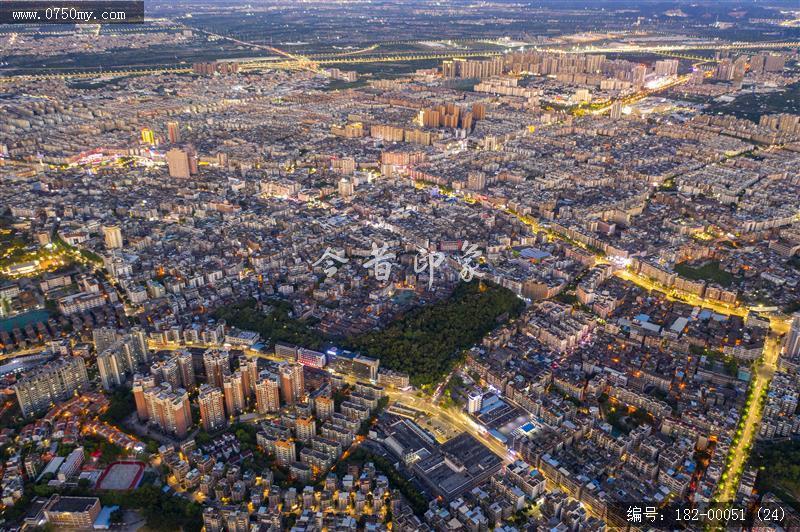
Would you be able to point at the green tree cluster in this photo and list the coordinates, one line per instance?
(121, 405)
(426, 342)
(779, 470)
(109, 452)
(275, 326)
(710, 271)
(162, 511)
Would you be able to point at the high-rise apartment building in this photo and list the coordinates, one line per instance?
(305, 428)
(167, 371)
(54, 382)
(476, 180)
(616, 110)
(137, 345)
(285, 452)
(346, 187)
(793, 337)
(178, 162)
(468, 68)
(268, 388)
(639, 75)
(667, 67)
(148, 136)
(217, 364)
(474, 402)
(104, 337)
(185, 368)
(249, 368)
(727, 69)
(113, 236)
(233, 389)
(119, 354)
(132, 346)
(292, 382)
(193, 164)
(169, 409)
(323, 407)
(774, 62)
(216, 67)
(112, 373)
(142, 383)
(173, 132)
(212, 407)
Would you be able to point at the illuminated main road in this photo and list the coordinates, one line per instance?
(671, 293)
(455, 420)
(751, 416)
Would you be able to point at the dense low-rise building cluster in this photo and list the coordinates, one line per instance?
(190, 255)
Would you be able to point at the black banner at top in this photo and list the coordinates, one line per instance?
(36, 12)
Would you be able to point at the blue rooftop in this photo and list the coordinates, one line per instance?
(103, 520)
(534, 253)
(491, 402)
(498, 436)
